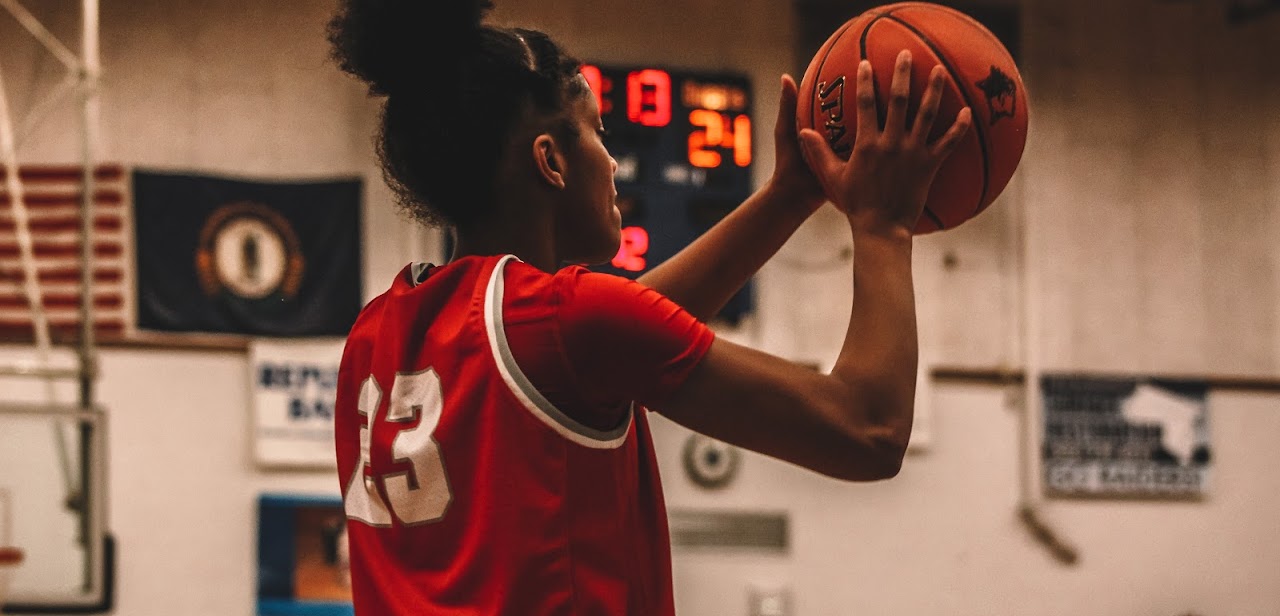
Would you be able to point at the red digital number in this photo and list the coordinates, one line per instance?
(649, 97)
(600, 86)
(712, 130)
(635, 243)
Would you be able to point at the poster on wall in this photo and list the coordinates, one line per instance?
(293, 386)
(222, 255)
(303, 564)
(1125, 437)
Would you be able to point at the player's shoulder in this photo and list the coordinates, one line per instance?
(568, 284)
(369, 319)
(577, 283)
(370, 313)
(595, 302)
(358, 347)
(573, 297)
(572, 290)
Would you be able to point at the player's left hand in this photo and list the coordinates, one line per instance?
(792, 178)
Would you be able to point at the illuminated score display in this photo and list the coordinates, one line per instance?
(717, 117)
(684, 145)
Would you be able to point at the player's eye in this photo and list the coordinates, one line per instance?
(603, 132)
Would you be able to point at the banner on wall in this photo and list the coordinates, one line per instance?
(293, 385)
(234, 256)
(1125, 437)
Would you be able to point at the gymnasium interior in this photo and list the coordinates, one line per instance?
(1099, 380)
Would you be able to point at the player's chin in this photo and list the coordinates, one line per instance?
(601, 250)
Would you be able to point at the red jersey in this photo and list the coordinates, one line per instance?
(468, 489)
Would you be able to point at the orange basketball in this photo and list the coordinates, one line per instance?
(983, 77)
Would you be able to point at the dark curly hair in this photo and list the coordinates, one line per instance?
(455, 88)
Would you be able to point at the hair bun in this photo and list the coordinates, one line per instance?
(394, 45)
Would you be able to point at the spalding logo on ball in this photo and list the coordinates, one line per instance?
(982, 75)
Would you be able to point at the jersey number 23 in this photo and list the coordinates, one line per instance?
(419, 492)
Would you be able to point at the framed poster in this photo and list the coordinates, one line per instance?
(1125, 437)
(303, 567)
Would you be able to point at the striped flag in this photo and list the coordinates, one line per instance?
(52, 196)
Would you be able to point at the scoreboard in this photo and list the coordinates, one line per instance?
(684, 143)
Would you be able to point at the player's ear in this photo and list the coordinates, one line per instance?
(548, 160)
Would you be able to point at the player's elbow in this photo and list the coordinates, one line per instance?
(875, 455)
(888, 460)
(876, 447)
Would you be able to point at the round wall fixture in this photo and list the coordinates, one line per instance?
(710, 463)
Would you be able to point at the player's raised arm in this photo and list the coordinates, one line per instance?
(705, 275)
(855, 422)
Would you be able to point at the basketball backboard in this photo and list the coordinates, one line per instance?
(52, 474)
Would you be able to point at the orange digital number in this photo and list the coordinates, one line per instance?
(635, 243)
(649, 97)
(710, 135)
(742, 140)
(711, 132)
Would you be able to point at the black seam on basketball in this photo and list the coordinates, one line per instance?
(875, 85)
(934, 217)
(978, 128)
(813, 96)
(982, 29)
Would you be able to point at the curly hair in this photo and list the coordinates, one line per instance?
(455, 88)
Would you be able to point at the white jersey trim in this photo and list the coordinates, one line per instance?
(524, 391)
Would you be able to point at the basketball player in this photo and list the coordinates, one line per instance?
(492, 440)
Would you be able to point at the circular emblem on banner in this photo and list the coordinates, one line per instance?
(249, 250)
(710, 463)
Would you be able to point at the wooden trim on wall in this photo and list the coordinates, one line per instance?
(147, 340)
(975, 375)
(1013, 376)
(179, 341)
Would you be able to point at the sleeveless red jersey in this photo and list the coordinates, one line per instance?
(466, 490)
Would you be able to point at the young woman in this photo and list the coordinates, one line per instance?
(492, 443)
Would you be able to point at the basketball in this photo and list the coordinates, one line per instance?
(982, 76)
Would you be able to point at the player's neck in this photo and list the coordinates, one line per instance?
(522, 223)
(528, 244)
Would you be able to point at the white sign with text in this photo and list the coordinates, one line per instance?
(293, 384)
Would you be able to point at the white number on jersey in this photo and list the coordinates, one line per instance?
(420, 494)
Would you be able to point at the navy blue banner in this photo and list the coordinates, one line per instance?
(260, 258)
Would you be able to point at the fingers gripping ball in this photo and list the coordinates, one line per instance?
(982, 76)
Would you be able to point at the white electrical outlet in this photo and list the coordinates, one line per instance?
(770, 602)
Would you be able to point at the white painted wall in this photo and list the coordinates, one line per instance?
(943, 538)
(1151, 184)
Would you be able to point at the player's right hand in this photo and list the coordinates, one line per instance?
(883, 186)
